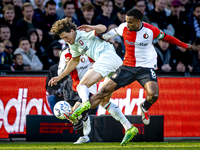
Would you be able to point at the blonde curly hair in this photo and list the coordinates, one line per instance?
(64, 25)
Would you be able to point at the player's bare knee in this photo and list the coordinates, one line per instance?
(153, 98)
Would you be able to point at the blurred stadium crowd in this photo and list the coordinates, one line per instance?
(27, 44)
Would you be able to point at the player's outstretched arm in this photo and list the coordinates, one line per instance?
(172, 40)
(70, 67)
(98, 28)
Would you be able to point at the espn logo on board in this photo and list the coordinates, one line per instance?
(55, 127)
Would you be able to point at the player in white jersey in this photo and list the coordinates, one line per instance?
(106, 62)
(139, 61)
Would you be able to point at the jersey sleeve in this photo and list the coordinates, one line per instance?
(62, 65)
(157, 33)
(75, 53)
(120, 28)
(88, 35)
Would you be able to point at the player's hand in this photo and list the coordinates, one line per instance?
(86, 28)
(190, 47)
(67, 60)
(54, 81)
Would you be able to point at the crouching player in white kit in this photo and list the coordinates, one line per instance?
(106, 62)
(81, 125)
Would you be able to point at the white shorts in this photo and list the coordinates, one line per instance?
(107, 63)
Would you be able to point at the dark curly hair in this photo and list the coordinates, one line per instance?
(64, 25)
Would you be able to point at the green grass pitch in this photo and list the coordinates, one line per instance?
(192, 145)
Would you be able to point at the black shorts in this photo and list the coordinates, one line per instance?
(125, 75)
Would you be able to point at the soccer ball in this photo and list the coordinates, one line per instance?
(62, 109)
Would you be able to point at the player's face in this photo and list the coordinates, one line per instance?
(132, 23)
(68, 37)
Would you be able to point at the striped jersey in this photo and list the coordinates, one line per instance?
(78, 73)
(140, 51)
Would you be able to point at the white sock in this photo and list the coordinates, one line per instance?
(116, 113)
(83, 92)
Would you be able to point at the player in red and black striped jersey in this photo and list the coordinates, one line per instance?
(139, 63)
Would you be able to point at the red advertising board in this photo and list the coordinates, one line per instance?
(178, 102)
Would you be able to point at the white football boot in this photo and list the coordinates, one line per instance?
(145, 115)
(82, 139)
(86, 127)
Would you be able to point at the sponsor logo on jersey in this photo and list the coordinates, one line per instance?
(81, 42)
(145, 35)
(84, 50)
(78, 39)
(135, 43)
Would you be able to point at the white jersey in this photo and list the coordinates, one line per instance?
(88, 44)
(78, 73)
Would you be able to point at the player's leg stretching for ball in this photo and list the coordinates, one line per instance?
(101, 68)
(82, 125)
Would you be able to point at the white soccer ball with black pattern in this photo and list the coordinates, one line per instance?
(62, 109)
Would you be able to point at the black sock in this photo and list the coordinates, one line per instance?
(85, 115)
(79, 128)
(146, 105)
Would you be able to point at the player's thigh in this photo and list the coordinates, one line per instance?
(91, 77)
(123, 77)
(147, 78)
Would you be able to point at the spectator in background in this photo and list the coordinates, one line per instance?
(185, 6)
(140, 5)
(179, 21)
(150, 5)
(3, 65)
(10, 21)
(9, 52)
(181, 59)
(39, 10)
(194, 21)
(117, 5)
(27, 22)
(105, 17)
(88, 14)
(163, 56)
(47, 20)
(196, 58)
(3, 3)
(60, 11)
(18, 3)
(18, 63)
(69, 9)
(40, 51)
(53, 51)
(5, 32)
(168, 8)
(120, 17)
(29, 55)
(97, 4)
(159, 19)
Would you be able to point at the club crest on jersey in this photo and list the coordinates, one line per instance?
(145, 35)
(81, 42)
(82, 59)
